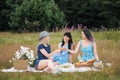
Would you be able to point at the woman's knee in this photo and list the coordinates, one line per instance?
(43, 64)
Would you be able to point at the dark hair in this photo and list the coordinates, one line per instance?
(70, 42)
(88, 34)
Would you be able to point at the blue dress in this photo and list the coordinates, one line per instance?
(40, 55)
(87, 52)
(61, 57)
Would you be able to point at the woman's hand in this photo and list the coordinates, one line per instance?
(62, 49)
(58, 50)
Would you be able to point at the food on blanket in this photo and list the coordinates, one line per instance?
(66, 66)
(88, 62)
(82, 64)
(78, 63)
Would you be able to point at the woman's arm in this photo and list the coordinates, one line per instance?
(76, 49)
(95, 51)
(45, 53)
(59, 45)
(72, 47)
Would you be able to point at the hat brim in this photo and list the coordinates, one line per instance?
(40, 38)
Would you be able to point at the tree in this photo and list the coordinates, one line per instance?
(4, 16)
(36, 15)
(6, 7)
(92, 13)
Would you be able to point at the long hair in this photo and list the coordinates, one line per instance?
(70, 42)
(88, 34)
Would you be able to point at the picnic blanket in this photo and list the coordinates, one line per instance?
(68, 67)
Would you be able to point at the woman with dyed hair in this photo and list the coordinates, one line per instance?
(87, 46)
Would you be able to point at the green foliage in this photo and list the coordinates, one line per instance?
(92, 13)
(36, 15)
(6, 7)
(4, 15)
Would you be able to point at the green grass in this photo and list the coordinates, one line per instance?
(108, 47)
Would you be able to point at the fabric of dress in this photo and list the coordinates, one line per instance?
(87, 52)
(40, 55)
(61, 57)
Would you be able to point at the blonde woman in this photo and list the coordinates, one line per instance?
(44, 53)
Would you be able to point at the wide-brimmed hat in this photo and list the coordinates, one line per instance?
(43, 34)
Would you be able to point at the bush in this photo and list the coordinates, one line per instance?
(36, 15)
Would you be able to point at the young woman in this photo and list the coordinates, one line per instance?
(64, 56)
(44, 52)
(87, 46)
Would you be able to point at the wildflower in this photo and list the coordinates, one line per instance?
(24, 53)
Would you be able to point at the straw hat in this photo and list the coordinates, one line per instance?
(43, 34)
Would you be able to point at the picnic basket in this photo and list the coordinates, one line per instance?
(85, 64)
(78, 65)
(20, 64)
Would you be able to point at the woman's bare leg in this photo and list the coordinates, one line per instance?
(48, 64)
(43, 64)
(51, 65)
(46, 69)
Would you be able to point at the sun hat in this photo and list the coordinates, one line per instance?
(43, 34)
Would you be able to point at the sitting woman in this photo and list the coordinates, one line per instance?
(87, 46)
(44, 52)
(64, 56)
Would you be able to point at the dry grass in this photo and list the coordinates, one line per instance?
(108, 49)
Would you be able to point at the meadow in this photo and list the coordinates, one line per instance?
(108, 47)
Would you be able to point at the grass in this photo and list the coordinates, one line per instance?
(108, 47)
